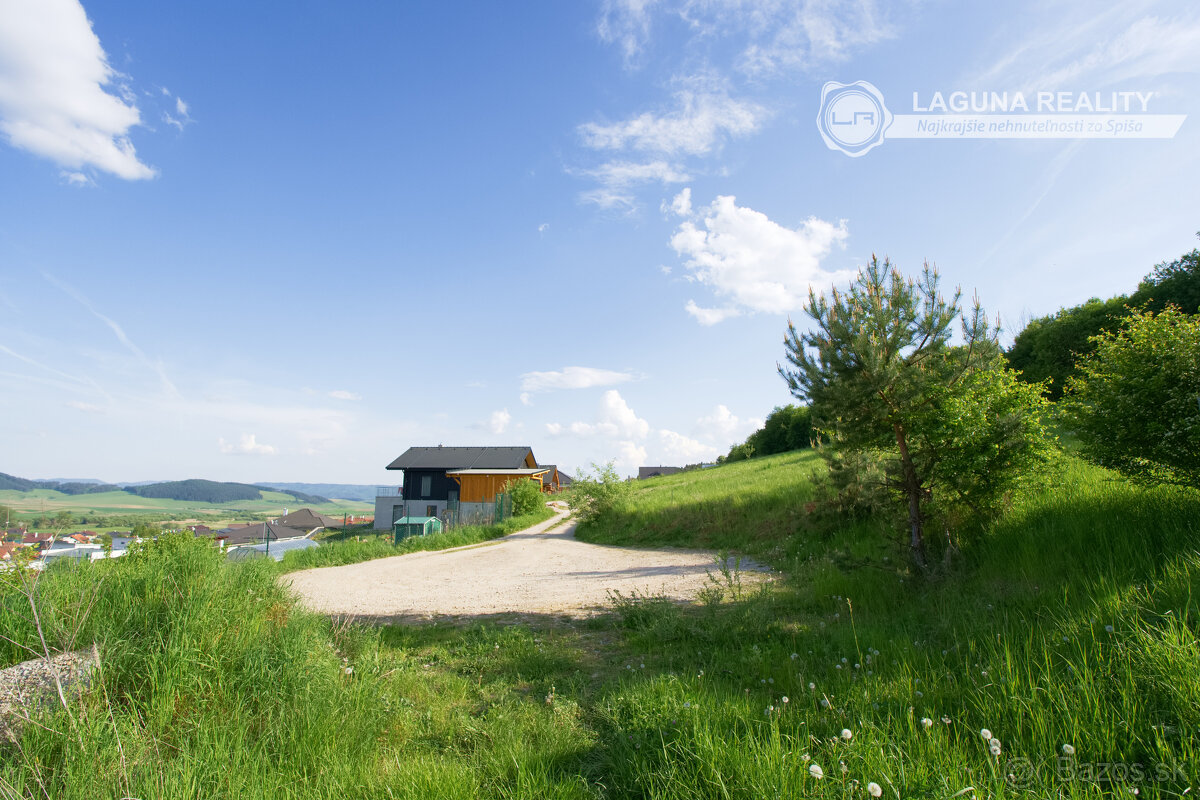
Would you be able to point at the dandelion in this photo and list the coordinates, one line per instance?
(985, 733)
(995, 749)
(858, 666)
(795, 656)
(687, 705)
(785, 699)
(816, 772)
(1068, 750)
(806, 758)
(643, 666)
(874, 789)
(946, 720)
(811, 686)
(927, 722)
(349, 670)
(771, 680)
(845, 660)
(837, 666)
(824, 702)
(1109, 628)
(847, 734)
(920, 694)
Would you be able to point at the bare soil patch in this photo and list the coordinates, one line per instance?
(541, 570)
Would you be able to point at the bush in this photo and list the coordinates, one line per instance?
(595, 494)
(1136, 400)
(526, 496)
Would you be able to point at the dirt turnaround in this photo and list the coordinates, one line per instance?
(540, 570)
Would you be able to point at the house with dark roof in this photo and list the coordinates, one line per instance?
(305, 519)
(461, 479)
(654, 472)
(260, 533)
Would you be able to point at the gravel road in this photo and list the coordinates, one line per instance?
(541, 570)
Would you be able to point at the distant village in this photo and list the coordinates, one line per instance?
(292, 531)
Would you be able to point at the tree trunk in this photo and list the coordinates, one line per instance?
(912, 489)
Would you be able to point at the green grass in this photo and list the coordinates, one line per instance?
(380, 544)
(216, 685)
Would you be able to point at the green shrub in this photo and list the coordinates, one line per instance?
(526, 496)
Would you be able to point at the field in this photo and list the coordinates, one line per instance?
(47, 502)
(1067, 630)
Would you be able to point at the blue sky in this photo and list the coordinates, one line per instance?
(245, 245)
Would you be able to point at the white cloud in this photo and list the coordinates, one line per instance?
(499, 421)
(681, 204)
(248, 445)
(614, 420)
(679, 449)
(77, 179)
(1099, 47)
(699, 123)
(617, 179)
(769, 36)
(342, 394)
(545, 226)
(710, 316)
(526, 399)
(571, 378)
(53, 103)
(752, 262)
(625, 23)
(90, 408)
(723, 426)
(630, 456)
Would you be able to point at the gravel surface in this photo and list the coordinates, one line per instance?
(541, 570)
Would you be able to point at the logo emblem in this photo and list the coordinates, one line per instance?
(853, 117)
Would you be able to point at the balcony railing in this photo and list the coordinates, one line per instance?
(388, 491)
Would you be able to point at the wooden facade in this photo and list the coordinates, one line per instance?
(482, 486)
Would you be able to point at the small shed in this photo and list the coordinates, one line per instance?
(416, 526)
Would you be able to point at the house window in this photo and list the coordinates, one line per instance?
(431, 511)
(426, 485)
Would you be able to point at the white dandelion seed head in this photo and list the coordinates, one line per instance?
(847, 734)
(812, 685)
(927, 722)
(816, 772)
(785, 699)
(1068, 750)
(874, 789)
(824, 702)
(995, 749)
(986, 734)
(1109, 628)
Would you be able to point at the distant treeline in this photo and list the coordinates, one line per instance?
(194, 490)
(13, 483)
(786, 428)
(197, 490)
(1049, 347)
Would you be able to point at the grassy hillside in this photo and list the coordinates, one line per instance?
(45, 501)
(1070, 622)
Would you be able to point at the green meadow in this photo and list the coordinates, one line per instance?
(1066, 629)
(39, 502)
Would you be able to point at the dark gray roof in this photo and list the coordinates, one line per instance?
(653, 472)
(462, 458)
(255, 533)
(307, 519)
